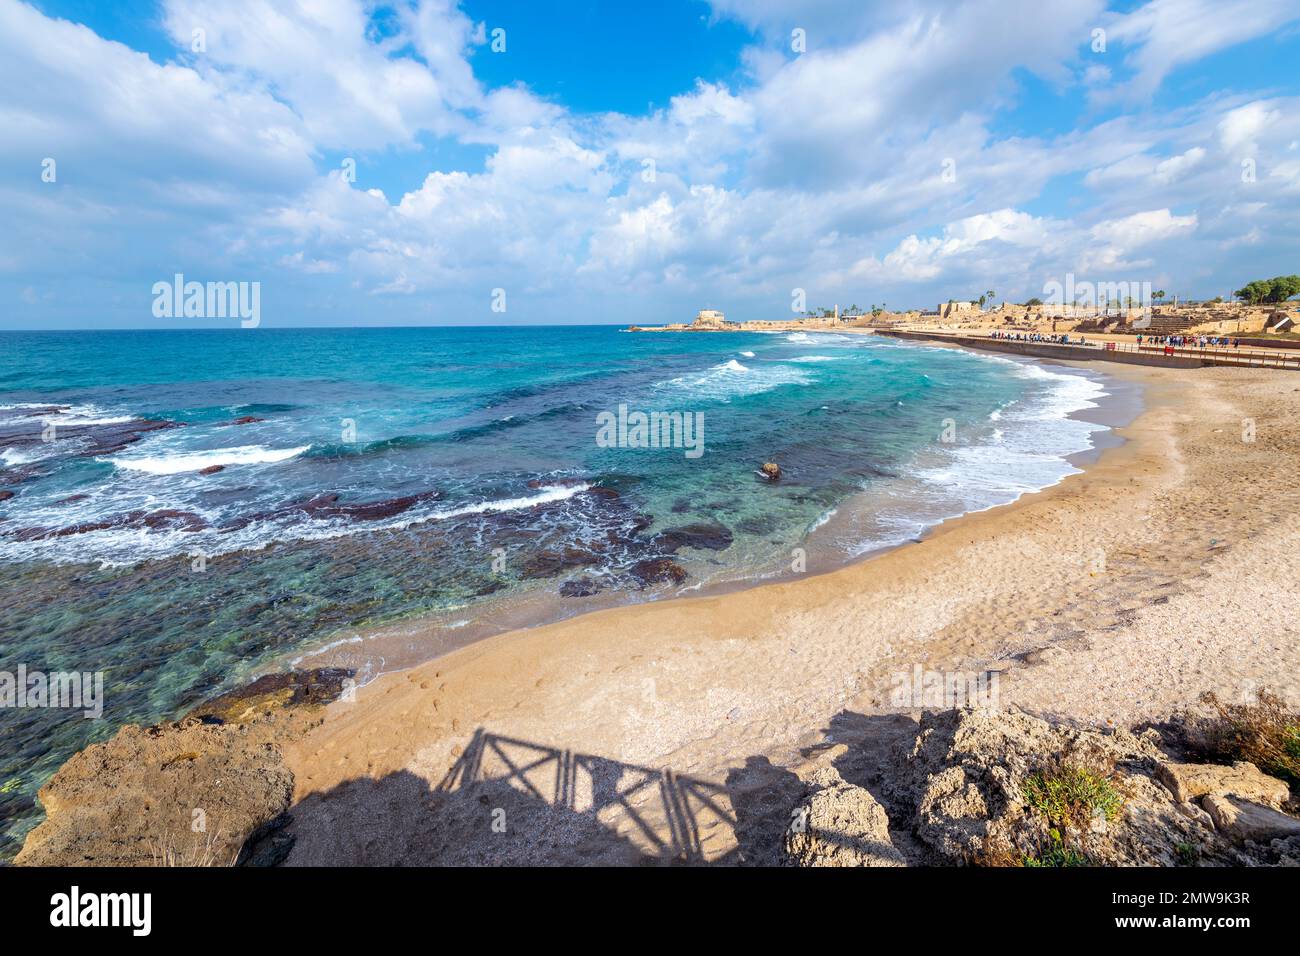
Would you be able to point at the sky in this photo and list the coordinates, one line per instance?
(431, 162)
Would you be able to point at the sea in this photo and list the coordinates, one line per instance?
(186, 509)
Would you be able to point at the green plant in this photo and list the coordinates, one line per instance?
(1188, 853)
(1056, 853)
(1070, 794)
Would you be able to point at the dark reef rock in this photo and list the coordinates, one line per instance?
(708, 535)
(169, 519)
(545, 564)
(580, 587)
(658, 571)
(325, 506)
(272, 692)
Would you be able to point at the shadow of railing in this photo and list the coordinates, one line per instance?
(667, 815)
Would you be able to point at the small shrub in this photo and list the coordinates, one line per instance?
(1266, 733)
(1056, 853)
(1070, 794)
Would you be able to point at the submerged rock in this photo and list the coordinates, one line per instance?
(707, 535)
(658, 571)
(272, 692)
(580, 587)
(545, 564)
(5, 495)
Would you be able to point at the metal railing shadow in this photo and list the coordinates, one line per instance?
(666, 814)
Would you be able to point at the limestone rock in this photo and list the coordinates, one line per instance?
(771, 471)
(840, 825)
(188, 794)
(1190, 781)
(966, 774)
(1246, 820)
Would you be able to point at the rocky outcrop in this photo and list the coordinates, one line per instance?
(1191, 781)
(271, 693)
(983, 787)
(1246, 821)
(771, 471)
(839, 824)
(208, 790)
(188, 794)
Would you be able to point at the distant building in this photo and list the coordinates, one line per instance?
(957, 308)
(709, 319)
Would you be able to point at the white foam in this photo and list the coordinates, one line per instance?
(118, 547)
(817, 358)
(196, 461)
(13, 456)
(547, 496)
(731, 379)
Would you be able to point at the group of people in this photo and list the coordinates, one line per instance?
(1036, 337)
(1191, 341)
(1177, 341)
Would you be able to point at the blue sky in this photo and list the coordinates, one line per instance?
(631, 163)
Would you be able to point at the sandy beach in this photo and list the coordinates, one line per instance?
(672, 731)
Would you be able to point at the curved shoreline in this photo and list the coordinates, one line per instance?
(396, 646)
(768, 675)
(1115, 596)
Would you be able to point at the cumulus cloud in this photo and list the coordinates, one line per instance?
(885, 160)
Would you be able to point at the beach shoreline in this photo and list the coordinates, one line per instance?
(1100, 600)
(395, 646)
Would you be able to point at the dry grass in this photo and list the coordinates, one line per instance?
(199, 852)
(1266, 733)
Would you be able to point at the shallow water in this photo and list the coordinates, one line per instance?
(367, 475)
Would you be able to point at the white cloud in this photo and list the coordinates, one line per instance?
(1165, 34)
(823, 171)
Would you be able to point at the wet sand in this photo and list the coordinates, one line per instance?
(669, 731)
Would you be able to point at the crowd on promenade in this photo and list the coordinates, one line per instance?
(1190, 341)
(1037, 337)
(1150, 341)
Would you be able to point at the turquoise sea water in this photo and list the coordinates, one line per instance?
(189, 506)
